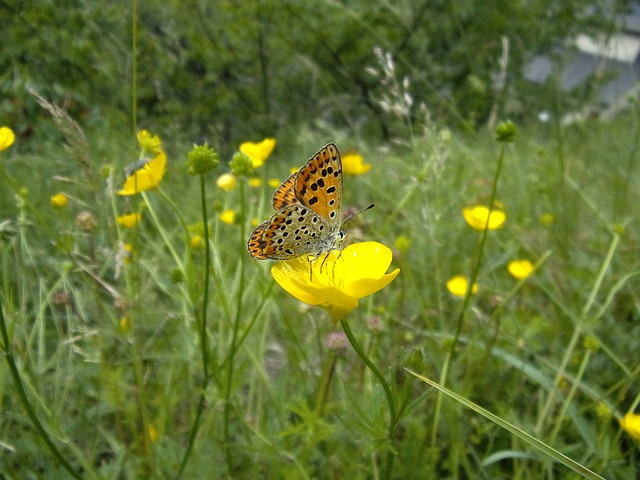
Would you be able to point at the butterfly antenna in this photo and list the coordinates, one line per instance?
(351, 217)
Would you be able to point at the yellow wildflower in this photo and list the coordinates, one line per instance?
(197, 243)
(128, 253)
(146, 178)
(630, 423)
(547, 219)
(59, 201)
(337, 280)
(458, 286)
(353, 164)
(226, 182)
(125, 325)
(478, 217)
(150, 144)
(520, 269)
(273, 182)
(254, 182)
(258, 152)
(228, 216)
(153, 433)
(6, 137)
(129, 221)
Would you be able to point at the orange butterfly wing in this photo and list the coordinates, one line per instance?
(318, 185)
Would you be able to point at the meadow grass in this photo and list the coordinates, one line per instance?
(150, 362)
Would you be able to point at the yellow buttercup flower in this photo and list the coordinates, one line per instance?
(197, 243)
(547, 219)
(630, 423)
(274, 182)
(520, 269)
(353, 164)
(148, 177)
(150, 144)
(128, 253)
(59, 201)
(478, 215)
(254, 182)
(258, 152)
(125, 325)
(226, 182)
(6, 137)
(338, 280)
(153, 433)
(458, 286)
(228, 216)
(129, 221)
(293, 170)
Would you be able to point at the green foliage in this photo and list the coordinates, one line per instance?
(141, 353)
(218, 69)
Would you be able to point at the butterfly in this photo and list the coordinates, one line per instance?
(308, 218)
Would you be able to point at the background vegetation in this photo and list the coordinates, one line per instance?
(109, 353)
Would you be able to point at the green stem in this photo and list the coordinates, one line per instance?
(577, 332)
(393, 419)
(478, 263)
(204, 339)
(234, 337)
(6, 349)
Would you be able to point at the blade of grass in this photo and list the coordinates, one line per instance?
(521, 434)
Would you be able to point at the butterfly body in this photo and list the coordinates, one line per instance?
(308, 216)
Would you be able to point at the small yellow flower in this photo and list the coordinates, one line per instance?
(631, 424)
(6, 137)
(337, 281)
(150, 144)
(547, 219)
(458, 286)
(228, 216)
(273, 182)
(293, 170)
(129, 221)
(125, 325)
(258, 152)
(254, 182)
(520, 269)
(128, 253)
(226, 182)
(478, 215)
(153, 433)
(146, 178)
(197, 243)
(255, 222)
(59, 201)
(353, 164)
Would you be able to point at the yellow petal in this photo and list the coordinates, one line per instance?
(6, 137)
(129, 221)
(477, 217)
(458, 286)
(226, 182)
(335, 281)
(353, 164)
(59, 201)
(147, 178)
(631, 424)
(520, 269)
(258, 152)
(228, 216)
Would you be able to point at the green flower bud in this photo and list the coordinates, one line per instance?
(506, 131)
(241, 165)
(202, 159)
